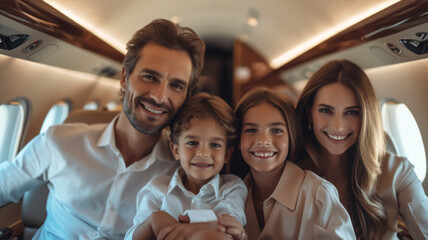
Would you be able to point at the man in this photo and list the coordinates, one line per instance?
(94, 172)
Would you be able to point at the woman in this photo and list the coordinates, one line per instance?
(283, 201)
(343, 135)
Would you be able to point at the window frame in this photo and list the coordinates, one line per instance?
(63, 101)
(402, 150)
(26, 109)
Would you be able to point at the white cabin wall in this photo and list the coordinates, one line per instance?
(44, 85)
(406, 83)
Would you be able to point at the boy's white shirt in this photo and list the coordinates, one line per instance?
(224, 194)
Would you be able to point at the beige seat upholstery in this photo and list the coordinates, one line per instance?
(34, 202)
(391, 146)
(90, 117)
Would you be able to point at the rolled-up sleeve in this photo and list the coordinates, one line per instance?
(233, 202)
(412, 200)
(26, 171)
(148, 201)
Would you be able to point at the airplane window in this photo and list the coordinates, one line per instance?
(92, 105)
(113, 106)
(56, 115)
(11, 128)
(400, 124)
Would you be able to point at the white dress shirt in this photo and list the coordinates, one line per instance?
(224, 194)
(302, 206)
(91, 191)
(402, 194)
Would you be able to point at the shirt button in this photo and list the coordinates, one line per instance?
(193, 201)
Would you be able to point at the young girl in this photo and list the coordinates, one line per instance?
(202, 139)
(344, 138)
(283, 202)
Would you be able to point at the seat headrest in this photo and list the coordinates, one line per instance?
(91, 116)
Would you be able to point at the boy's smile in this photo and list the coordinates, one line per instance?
(202, 150)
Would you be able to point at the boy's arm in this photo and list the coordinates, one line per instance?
(231, 210)
(233, 200)
(143, 231)
(150, 228)
(185, 230)
(149, 201)
(161, 219)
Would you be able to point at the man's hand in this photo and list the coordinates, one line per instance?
(231, 226)
(184, 231)
(183, 219)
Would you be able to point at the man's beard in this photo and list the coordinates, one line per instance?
(138, 124)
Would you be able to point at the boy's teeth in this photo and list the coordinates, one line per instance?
(202, 164)
(336, 137)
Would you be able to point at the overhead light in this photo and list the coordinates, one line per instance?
(242, 73)
(310, 43)
(58, 5)
(253, 17)
(175, 19)
(252, 21)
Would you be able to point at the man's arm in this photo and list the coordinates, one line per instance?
(233, 200)
(25, 171)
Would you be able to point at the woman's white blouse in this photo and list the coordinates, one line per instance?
(402, 195)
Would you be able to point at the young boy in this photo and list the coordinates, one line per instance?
(202, 139)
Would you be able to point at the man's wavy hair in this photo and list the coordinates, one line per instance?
(171, 36)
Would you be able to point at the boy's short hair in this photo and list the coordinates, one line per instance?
(204, 105)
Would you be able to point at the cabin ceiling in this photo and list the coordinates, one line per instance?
(292, 38)
(283, 24)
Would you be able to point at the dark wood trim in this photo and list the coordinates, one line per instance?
(410, 12)
(245, 56)
(40, 16)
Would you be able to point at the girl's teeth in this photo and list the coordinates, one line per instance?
(263, 154)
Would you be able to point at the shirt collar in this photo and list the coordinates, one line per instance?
(107, 137)
(288, 188)
(160, 151)
(179, 174)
